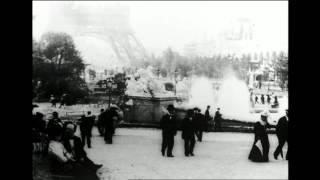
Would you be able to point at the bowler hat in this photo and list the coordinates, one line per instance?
(170, 107)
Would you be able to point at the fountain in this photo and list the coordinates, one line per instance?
(148, 96)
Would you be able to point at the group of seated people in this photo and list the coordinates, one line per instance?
(67, 154)
(63, 147)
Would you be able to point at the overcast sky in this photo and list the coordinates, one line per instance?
(160, 24)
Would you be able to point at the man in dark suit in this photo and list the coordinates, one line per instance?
(86, 125)
(169, 130)
(262, 98)
(188, 133)
(282, 134)
(54, 124)
(207, 118)
(109, 117)
(217, 120)
(100, 122)
(199, 123)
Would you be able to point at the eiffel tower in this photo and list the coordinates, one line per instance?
(108, 23)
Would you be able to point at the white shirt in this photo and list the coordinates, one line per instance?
(57, 149)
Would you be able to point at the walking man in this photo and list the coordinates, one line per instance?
(188, 133)
(207, 118)
(110, 117)
(200, 124)
(63, 100)
(262, 98)
(256, 100)
(169, 130)
(217, 120)
(282, 134)
(53, 101)
(86, 126)
(100, 122)
(268, 99)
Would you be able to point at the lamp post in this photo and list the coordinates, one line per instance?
(109, 82)
(175, 80)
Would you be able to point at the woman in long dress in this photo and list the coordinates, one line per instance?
(260, 133)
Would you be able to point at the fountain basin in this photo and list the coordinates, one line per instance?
(147, 109)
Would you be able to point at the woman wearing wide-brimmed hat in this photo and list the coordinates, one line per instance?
(260, 133)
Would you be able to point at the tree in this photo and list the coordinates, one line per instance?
(92, 74)
(120, 81)
(281, 68)
(58, 65)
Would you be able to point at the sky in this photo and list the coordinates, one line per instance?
(162, 24)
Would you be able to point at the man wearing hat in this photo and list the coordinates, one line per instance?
(110, 117)
(86, 125)
(169, 130)
(188, 133)
(217, 120)
(282, 134)
(199, 123)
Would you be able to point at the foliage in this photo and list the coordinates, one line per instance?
(281, 68)
(57, 64)
(213, 66)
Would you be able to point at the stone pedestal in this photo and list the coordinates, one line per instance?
(147, 110)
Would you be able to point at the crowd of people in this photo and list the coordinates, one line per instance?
(63, 100)
(67, 154)
(265, 99)
(261, 135)
(193, 125)
(66, 150)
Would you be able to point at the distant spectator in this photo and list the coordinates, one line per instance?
(200, 124)
(276, 100)
(268, 99)
(217, 120)
(262, 99)
(53, 101)
(256, 99)
(100, 122)
(110, 117)
(63, 100)
(207, 117)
